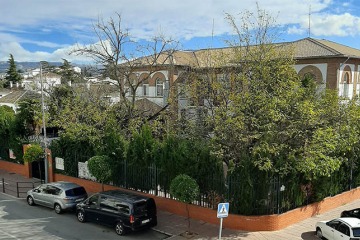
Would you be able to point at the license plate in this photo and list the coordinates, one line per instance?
(145, 221)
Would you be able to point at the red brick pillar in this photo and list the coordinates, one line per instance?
(27, 166)
(50, 166)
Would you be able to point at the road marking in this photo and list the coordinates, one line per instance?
(7, 200)
(8, 234)
(4, 182)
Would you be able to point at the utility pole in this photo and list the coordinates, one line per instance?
(44, 127)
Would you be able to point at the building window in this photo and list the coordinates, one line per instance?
(159, 87)
(346, 82)
(146, 89)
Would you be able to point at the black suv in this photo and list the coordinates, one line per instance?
(119, 209)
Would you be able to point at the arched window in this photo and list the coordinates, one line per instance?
(313, 72)
(159, 87)
(346, 82)
(146, 88)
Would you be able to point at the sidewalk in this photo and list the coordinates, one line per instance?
(175, 226)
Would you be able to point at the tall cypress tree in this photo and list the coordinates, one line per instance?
(12, 74)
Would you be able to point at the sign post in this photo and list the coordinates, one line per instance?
(222, 212)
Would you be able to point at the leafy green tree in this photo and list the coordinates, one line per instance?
(58, 99)
(68, 74)
(349, 141)
(12, 74)
(81, 117)
(7, 118)
(29, 116)
(259, 111)
(140, 150)
(123, 66)
(185, 189)
(100, 168)
(34, 153)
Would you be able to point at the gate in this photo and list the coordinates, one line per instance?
(38, 170)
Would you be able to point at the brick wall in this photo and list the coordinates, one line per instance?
(238, 222)
(22, 169)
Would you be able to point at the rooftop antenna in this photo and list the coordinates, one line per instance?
(212, 33)
(309, 20)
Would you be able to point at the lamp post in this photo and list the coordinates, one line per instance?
(44, 127)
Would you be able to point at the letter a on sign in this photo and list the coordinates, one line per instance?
(223, 210)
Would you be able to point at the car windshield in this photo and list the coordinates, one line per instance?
(75, 192)
(356, 232)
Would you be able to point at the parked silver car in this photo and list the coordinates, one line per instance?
(58, 195)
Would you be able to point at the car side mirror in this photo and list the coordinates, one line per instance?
(36, 190)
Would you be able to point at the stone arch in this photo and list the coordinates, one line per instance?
(155, 77)
(131, 79)
(346, 76)
(312, 71)
(144, 78)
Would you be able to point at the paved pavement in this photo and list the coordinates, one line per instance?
(175, 226)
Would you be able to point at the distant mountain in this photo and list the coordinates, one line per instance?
(4, 66)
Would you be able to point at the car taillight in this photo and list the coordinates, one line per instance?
(132, 219)
(67, 199)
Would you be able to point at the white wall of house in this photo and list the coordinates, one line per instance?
(346, 89)
(358, 81)
(321, 66)
(13, 106)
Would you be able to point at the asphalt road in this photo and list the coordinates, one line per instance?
(18, 221)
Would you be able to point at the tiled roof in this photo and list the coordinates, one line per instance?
(310, 47)
(303, 48)
(16, 95)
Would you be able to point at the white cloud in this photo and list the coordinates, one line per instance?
(296, 30)
(182, 20)
(21, 54)
(334, 25)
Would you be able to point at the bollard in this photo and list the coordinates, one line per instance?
(17, 189)
(3, 184)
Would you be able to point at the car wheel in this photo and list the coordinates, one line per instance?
(81, 216)
(319, 233)
(119, 228)
(30, 201)
(57, 208)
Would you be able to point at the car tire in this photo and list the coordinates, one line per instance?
(319, 233)
(30, 201)
(81, 216)
(57, 208)
(120, 229)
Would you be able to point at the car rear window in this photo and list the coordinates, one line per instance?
(143, 207)
(75, 192)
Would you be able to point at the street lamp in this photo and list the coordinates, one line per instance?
(44, 127)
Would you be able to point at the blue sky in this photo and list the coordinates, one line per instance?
(46, 30)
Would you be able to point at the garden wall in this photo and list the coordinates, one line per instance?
(22, 169)
(237, 222)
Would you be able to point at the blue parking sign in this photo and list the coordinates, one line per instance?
(223, 210)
